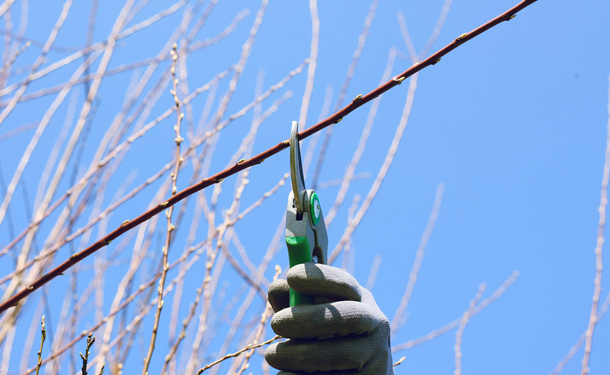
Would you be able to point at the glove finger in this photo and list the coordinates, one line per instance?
(338, 354)
(329, 319)
(320, 280)
(278, 295)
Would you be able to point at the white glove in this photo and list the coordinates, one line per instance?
(348, 336)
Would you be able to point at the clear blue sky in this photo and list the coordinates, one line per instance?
(513, 124)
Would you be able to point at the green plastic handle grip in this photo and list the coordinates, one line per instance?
(298, 252)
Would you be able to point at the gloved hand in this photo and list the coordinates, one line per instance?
(347, 336)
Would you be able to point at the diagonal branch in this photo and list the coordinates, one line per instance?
(241, 165)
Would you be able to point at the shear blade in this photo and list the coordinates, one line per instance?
(296, 170)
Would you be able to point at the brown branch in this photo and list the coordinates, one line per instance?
(237, 353)
(44, 336)
(85, 357)
(240, 166)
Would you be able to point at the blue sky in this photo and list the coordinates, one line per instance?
(512, 124)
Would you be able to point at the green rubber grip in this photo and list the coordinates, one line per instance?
(298, 253)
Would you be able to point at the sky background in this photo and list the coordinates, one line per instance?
(512, 124)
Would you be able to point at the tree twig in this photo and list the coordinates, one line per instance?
(460, 332)
(598, 250)
(419, 256)
(448, 327)
(85, 357)
(44, 336)
(237, 353)
(168, 213)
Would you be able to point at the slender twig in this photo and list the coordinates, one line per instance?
(313, 61)
(370, 282)
(448, 327)
(250, 347)
(85, 357)
(440, 22)
(18, 130)
(581, 340)
(460, 332)
(598, 249)
(43, 337)
(419, 256)
(406, 36)
(348, 255)
(170, 226)
(368, 21)
(214, 179)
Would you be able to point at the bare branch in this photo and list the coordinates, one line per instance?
(598, 249)
(333, 119)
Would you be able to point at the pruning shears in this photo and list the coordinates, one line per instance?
(305, 228)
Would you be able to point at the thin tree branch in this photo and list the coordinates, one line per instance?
(581, 340)
(460, 332)
(168, 213)
(448, 327)
(43, 337)
(598, 250)
(240, 166)
(397, 322)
